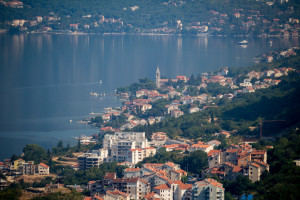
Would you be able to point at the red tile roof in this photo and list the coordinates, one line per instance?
(255, 165)
(212, 152)
(110, 176)
(117, 192)
(44, 165)
(162, 187)
(132, 169)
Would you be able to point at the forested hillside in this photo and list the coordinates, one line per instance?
(279, 102)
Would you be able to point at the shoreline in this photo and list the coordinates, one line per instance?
(67, 32)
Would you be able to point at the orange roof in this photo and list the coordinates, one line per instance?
(88, 198)
(236, 169)
(170, 164)
(97, 197)
(212, 152)
(125, 162)
(202, 146)
(135, 149)
(117, 192)
(150, 195)
(163, 177)
(259, 152)
(132, 169)
(149, 148)
(175, 182)
(261, 163)
(185, 186)
(225, 133)
(44, 165)
(210, 181)
(109, 176)
(162, 187)
(255, 165)
(231, 150)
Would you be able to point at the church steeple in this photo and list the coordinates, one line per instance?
(157, 77)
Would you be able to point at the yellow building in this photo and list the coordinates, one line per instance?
(17, 164)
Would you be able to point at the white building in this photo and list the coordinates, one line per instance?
(120, 143)
(93, 159)
(208, 189)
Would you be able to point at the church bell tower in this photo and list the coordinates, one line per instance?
(157, 77)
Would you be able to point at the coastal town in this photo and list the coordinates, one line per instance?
(233, 21)
(225, 155)
(190, 97)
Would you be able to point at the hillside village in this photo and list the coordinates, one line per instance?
(129, 148)
(189, 96)
(236, 21)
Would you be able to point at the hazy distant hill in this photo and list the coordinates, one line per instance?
(154, 13)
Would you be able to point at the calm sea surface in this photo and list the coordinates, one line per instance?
(46, 80)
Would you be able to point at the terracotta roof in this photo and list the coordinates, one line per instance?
(91, 182)
(135, 149)
(128, 180)
(149, 148)
(225, 133)
(261, 163)
(163, 177)
(255, 165)
(44, 165)
(236, 169)
(231, 150)
(162, 187)
(259, 152)
(132, 169)
(170, 164)
(110, 176)
(117, 192)
(212, 152)
(97, 197)
(175, 182)
(185, 186)
(150, 196)
(125, 162)
(88, 198)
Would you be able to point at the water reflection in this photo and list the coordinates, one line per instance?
(45, 80)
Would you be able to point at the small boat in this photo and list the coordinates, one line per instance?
(94, 94)
(100, 81)
(270, 43)
(244, 42)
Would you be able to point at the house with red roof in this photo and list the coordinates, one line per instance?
(164, 191)
(137, 188)
(203, 147)
(152, 196)
(208, 189)
(132, 172)
(116, 195)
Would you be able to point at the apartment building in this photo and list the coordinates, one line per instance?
(208, 189)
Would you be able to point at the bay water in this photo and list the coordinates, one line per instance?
(46, 80)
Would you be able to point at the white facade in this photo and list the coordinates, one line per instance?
(208, 189)
(120, 144)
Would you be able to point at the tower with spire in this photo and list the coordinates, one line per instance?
(157, 77)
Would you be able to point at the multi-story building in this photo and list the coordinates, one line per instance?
(93, 159)
(208, 189)
(100, 186)
(135, 187)
(30, 169)
(120, 143)
(116, 195)
(136, 155)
